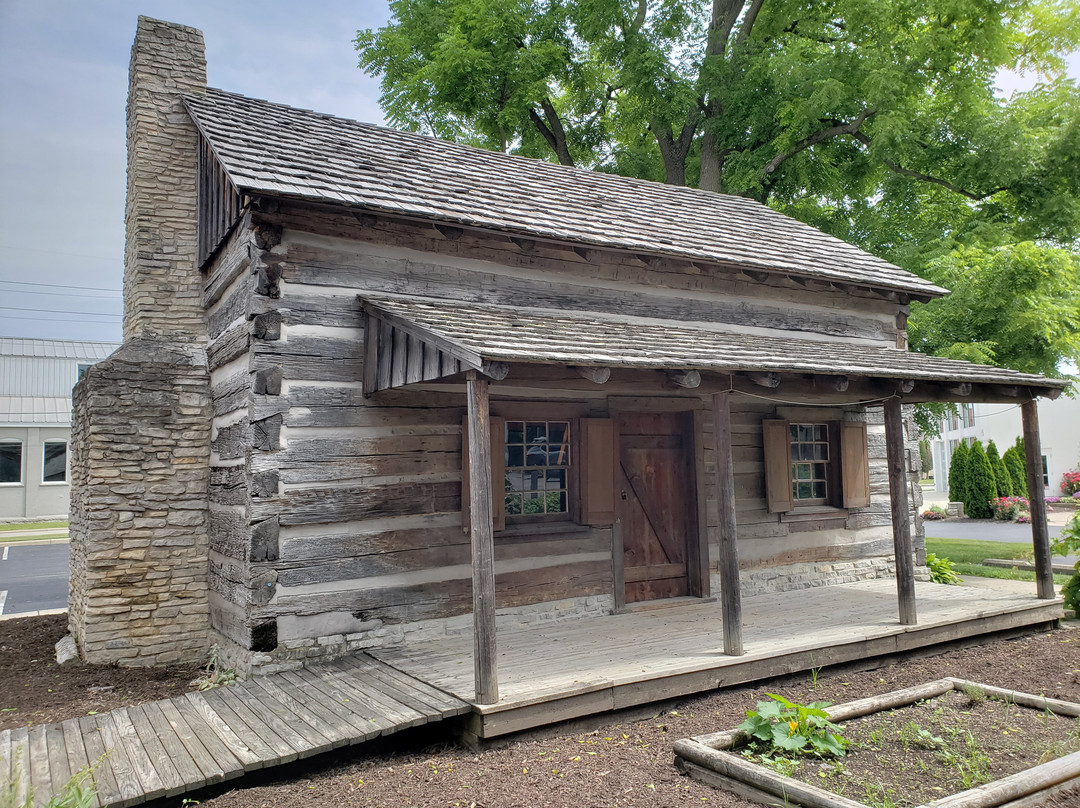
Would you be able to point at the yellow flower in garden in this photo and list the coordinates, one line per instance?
(793, 725)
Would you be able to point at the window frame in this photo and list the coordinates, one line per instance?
(850, 470)
(22, 462)
(569, 441)
(44, 461)
(830, 477)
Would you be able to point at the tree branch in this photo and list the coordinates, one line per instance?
(748, 21)
(928, 178)
(552, 131)
(835, 130)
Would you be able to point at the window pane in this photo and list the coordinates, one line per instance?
(819, 471)
(802, 471)
(819, 490)
(515, 455)
(513, 481)
(515, 432)
(556, 479)
(821, 451)
(535, 432)
(537, 457)
(55, 470)
(806, 490)
(10, 462)
(532, 503)
(513, 503)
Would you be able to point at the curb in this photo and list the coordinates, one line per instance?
(41, 613)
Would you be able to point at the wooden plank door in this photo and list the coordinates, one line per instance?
(656, 498)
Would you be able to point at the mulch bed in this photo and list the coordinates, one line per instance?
(615, 760)
(35, 690)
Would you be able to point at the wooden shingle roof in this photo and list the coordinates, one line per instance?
(477, 336)
(276, 150)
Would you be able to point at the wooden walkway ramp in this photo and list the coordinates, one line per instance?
(169, 747)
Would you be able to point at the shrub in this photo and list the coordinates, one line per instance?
(1008, 509)
(1002, 480)
(1066, 544)
(783, 726)
(941, 570)
(934, 513)
(1014, 462)
(1070, 483)
(980, 484)
(958, 473)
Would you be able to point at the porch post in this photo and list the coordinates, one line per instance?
(1040, 533)
(730, 596)
(482, 539)
(901, 518)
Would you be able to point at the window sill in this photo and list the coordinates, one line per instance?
(812, 513)
(11, 485)
(55, 482)
(562, 528)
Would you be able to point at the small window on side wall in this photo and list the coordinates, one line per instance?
(537, 466)
(10, 462)
(54, 462)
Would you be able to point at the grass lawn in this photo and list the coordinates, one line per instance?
(32, 526)
(967, 556)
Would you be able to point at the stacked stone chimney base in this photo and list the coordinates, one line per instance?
(140, 448)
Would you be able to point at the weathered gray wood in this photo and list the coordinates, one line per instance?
(1056, 706)
(123, 769)
(348, 503)
(596, 375)
(230, 739)
(309, 683)
(1040, 531)
(104, 780)
(1014, 786)
(688, 379)
(763, 379)
(901, 518)
(344, 691)
(323, 723)
(152, 785)
(485, 669)
(284, 748)
(59, 770)
(389, 700)
(385, 713)
(730, 595)
(284, 722)
(6, 758)
(446, 703)
(212, 771)
(232, 344)
(164, 764)
(264, 754)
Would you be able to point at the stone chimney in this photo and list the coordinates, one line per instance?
(162, 284)
(141, 419)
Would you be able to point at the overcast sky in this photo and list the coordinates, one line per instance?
(63, 82)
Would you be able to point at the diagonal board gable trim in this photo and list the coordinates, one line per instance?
(488, 338)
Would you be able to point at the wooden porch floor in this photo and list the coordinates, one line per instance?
(556, 671)
(170, 747)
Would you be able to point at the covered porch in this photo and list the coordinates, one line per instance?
(557, 671)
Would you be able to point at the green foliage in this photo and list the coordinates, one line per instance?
(1002, 481)
(1068, 543)
(980, 484)
(958, 473)
(941, 570)
(1071, 593)
(216, 674)
(1015, 305)
(784, 727)
(1014, 463)
(77, 792)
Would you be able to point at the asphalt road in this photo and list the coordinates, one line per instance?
(33, 577)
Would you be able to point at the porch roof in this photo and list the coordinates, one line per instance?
(488, 337)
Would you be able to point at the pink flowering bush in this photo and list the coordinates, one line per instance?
(1070, 483)
(934, 513)
(1009, 509)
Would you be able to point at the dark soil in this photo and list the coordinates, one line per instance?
(935, 748)
(615, 760)
(35, 690)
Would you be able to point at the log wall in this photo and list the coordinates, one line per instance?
(335, 518)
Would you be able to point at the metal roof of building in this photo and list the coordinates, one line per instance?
(282, 151)
(476, 334)
(56, 348)
(31, 410)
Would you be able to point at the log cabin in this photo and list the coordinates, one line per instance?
(377, 387)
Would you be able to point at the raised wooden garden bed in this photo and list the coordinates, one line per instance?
(715, 758)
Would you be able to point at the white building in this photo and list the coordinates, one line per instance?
(36, 377)
(1059, 425)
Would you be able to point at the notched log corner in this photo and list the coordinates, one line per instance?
(267, 326)
(266, 434)
(268, 381)
(264, 539)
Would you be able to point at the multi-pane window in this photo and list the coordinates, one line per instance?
(537, 466)
(10, 462)
(54, 465)
(809, 462)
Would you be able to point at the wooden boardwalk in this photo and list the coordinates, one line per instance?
(169, 747)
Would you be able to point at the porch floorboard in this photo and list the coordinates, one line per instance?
(554, 671)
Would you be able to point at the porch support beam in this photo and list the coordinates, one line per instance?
(730, 595)
(481, 535)
(901, 517)
(1040, 532)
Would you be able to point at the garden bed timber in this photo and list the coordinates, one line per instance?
(1040, 759)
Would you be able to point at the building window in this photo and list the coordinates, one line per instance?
(537, 467)
(83, 367)
(10, 462)
(968, 412)
(1046, 471)
(809, 463)
(54, 465)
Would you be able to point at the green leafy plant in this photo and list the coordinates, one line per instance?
(941, 570)
(781, 726)
(77, 792)
(1067, 543)
(217, 675)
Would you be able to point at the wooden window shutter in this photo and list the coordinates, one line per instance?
(596, 470)
(777, 439)
(854, 464)
(498, 473)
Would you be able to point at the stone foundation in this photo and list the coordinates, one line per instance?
(293, 654)
(804, 576)
(140, 445)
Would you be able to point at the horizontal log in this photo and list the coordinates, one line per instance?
(325, 505)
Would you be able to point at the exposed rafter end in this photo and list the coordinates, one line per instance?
(495, 370)
(595, 375)
(684, 378)
(905, 386)
(526, 245)
(1007, 391)
(449, 233)
(585, 253)
(1051, 393)
(812, 284)
(837, 383)
(961, 389)
(756, 275)
(365, 219)
(764, 379)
